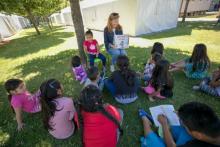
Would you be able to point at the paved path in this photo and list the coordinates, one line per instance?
(133, 41)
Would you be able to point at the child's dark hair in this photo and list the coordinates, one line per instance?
(161, 75)
(200, 117)
(127, 74)
(157, 47)
(11, 85)
(76, 61)
(89, 32)
(48, 95)
(156, 57)
(91, 101)
(199, 57)
(92, 73)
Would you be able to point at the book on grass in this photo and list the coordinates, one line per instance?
(121, 41)
(168, 111)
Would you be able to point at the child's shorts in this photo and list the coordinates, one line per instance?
(179, 134)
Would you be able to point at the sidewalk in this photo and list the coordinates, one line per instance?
(199, 19)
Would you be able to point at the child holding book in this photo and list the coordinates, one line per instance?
(200, 128)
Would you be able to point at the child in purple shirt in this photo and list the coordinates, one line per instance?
(78, 70)
(21, 100)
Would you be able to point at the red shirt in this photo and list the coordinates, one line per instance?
(100, 131)
(91, 46)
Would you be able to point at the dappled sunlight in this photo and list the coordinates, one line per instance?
(44, 143)
(31, 76)
(4, 137)
(37, 58)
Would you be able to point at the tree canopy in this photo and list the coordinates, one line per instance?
(31, 8)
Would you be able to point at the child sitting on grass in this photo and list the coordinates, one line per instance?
(78, 69)
(21, 100)
(59, 113)
(149, 67)
(95, 78)
(123, 83)
(92, 48)
(197, 65)
(210, 85)
(157, 48)
(161, 83)
(101, 123)
(200, 128)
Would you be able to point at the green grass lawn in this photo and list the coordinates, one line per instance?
(37, 58)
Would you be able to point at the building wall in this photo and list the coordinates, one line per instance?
(196, 5)
(96, 17)
(156, 15)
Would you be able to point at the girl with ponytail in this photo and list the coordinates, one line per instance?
(58, 111)
(21, 100)
(123, 84)
(101, 123)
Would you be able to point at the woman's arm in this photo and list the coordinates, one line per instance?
(106, 39)
(18, 115)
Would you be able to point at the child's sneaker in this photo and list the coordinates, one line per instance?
(112, 68)
(196, 88)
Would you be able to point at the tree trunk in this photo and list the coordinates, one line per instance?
(32, 19)
(79, 28)
(48, 22)
(185, 10)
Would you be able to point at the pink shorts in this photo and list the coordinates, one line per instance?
(149, 90)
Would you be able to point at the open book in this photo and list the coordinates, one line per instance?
(168, 111)
(121, 41)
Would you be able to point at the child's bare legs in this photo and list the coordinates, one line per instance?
(177, 65)
(147, 125)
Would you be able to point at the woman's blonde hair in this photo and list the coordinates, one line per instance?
(111, 17)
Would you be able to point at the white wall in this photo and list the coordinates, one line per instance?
(156, 15)
(196, 5)
(96, 17)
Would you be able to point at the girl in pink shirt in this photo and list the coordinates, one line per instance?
(21, 100)
(92, 48)
(101, 122)
(59, 113)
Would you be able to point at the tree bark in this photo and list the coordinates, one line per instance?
(48, 22)
(32, 19)
(185, 11)
(79, 27)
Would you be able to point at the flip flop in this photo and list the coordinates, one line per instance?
(142, 113)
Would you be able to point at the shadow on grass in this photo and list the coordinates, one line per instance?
(58, 66)
(31, 43)
(183, 29)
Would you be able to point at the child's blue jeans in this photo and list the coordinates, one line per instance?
(100, 56)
